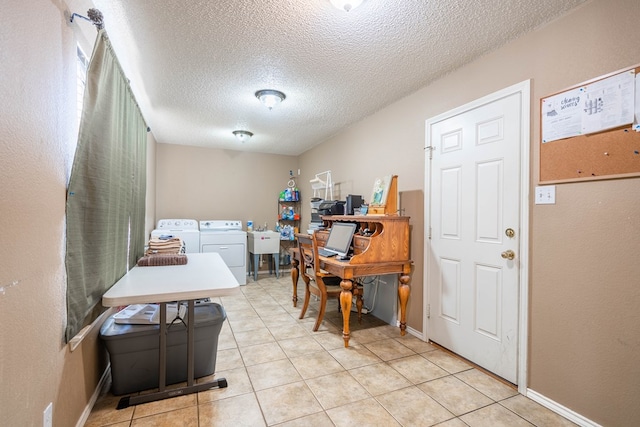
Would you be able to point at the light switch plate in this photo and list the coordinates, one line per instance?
(546, 195)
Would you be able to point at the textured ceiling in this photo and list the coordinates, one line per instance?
(195, 65)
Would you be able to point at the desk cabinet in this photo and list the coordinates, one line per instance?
(360, 244)
(378, 238)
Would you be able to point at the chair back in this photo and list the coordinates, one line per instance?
(305, 247)
(310, 260)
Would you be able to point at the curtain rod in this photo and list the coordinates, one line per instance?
(95, 16)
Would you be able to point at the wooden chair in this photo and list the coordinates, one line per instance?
(318, 282)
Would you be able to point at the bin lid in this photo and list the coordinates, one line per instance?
(206, 314)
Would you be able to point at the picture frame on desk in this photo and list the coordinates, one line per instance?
(380, 191)
(384, 200)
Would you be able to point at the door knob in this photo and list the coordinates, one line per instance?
(508, 254)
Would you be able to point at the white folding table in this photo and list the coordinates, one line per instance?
(205, 275)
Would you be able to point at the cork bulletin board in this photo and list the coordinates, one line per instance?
(576, 150)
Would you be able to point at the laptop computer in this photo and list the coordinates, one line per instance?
(339, 241)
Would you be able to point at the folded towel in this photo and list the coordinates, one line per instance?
(175, 251)
(162, 259)
(176, 246)
(157, 246)
(176, 241)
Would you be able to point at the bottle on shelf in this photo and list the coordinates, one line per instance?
(289, 212)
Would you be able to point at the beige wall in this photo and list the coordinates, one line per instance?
(37, 144)
(36, 148)
(584, 294)
(412, 205)
(584, 269)
(204, 184)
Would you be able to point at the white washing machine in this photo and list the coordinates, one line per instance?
(185, 229)
(229, 240)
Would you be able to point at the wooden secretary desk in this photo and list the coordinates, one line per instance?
(380, 246)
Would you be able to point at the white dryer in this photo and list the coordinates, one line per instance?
(227, 238)
(185, 229)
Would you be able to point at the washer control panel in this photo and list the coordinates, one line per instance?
(220, 225)
(177, 224)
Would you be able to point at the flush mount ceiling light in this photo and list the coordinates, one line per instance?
(242, 135)
(346, 5)
(270, 98)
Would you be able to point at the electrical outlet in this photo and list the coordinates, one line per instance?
(47, 416)
(546, 195)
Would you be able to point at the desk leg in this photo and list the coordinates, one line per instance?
(403, 295)
(294, 281)
(346, 297)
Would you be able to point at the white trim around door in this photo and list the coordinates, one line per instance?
(524, 88)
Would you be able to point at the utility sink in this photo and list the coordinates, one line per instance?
(263, 242)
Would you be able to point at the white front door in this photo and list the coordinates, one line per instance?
(473, 213)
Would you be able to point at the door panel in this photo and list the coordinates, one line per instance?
(450, 290)
(488, 292)
(489, 211)
(450, 206)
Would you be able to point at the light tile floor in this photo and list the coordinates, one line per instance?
(280, 373)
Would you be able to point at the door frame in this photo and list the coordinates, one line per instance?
(524, 89)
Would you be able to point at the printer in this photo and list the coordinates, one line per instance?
(331, 207)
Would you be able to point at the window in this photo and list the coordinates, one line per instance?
(82, 63)
(107, 187)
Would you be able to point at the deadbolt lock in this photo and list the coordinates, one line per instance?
(508, 254)
(509, 232)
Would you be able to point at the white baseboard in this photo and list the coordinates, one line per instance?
(413, 332)
(94, 397)
(77, 339)
(561, 410)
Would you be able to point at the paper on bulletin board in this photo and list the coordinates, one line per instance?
(602, 105)
(636, 122)
(609, 103)
(562, 115)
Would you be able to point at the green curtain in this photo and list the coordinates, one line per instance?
(105, 208)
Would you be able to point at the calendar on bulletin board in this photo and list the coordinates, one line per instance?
(591, 131)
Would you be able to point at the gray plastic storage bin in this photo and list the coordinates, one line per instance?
(134, 354)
